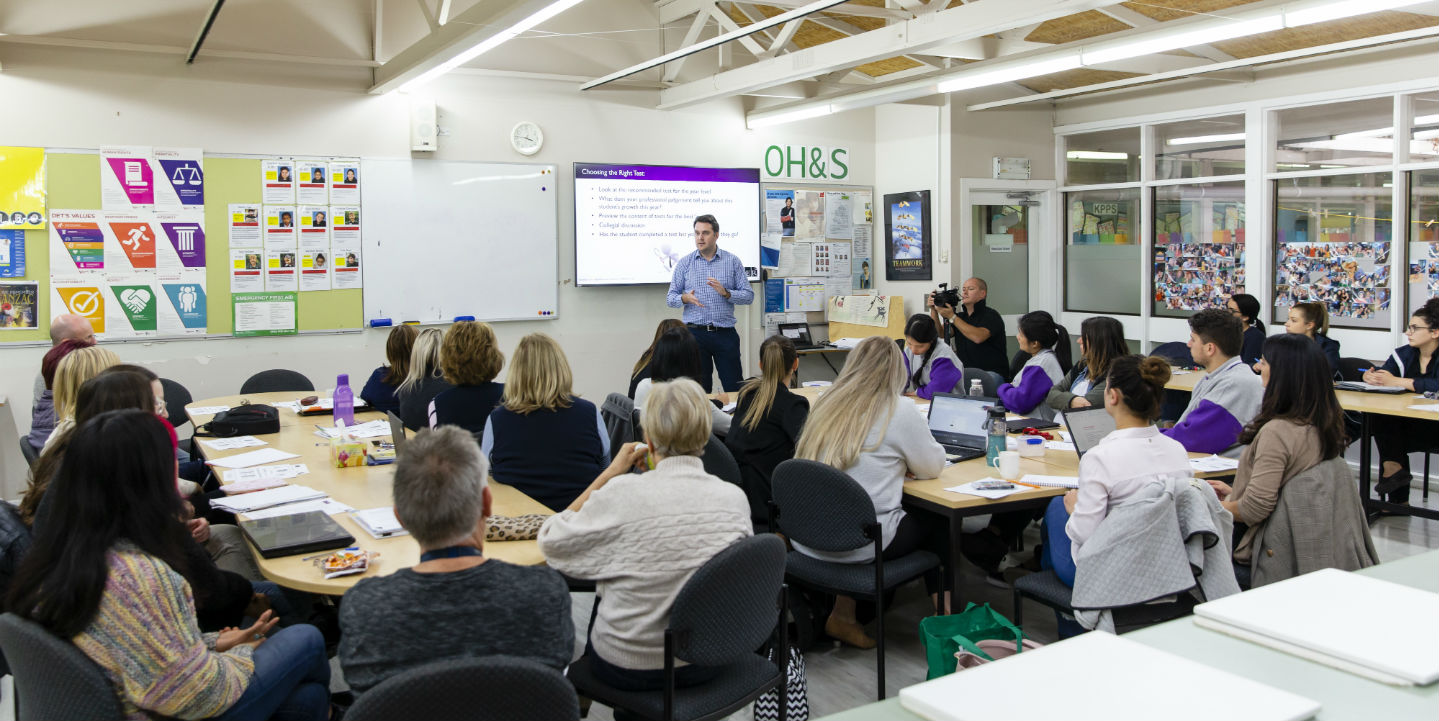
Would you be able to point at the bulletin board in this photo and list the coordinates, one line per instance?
(73, 180)
(815, 247)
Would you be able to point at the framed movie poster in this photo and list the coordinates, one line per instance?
(907, 248)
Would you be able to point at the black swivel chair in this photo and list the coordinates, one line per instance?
(824, 509)
(719, 462)
(1352, 369)
(728, 608)
(28, 451)
(176, 398)
(277, 379)
(53, 678)
(488, 688)
(1174, 401)
(988, 381)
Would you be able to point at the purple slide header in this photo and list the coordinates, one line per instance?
(597, 171)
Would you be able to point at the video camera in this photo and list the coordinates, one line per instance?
(946, 297)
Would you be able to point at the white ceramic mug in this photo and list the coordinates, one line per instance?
(1009, 465)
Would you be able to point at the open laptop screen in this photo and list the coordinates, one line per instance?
(1087, 427)
(797, 332)
(958, 415)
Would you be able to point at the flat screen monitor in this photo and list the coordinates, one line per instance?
(634, 222)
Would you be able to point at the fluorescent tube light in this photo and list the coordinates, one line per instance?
(1342, 9)
(490, 43)
(1159, 41)
(789, 117)
(1205, 139)
(1011, 73)
(1095, 155)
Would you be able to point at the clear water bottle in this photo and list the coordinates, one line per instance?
(344, 400)
(998, 435)
(976, 389)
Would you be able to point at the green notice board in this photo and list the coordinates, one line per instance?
(73, 183)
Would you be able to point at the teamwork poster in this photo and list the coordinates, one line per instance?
(1351, 277)
(346, 272)
(12, 254)
(312, 182)
(280, 227)
(183, 244)
(19, 305)
(907, 248)
(245, 226)
(280, 270)
(127, 181)
(314, 224)
(1423, 272)
(22, 188)
(181, 307)
(838, 215)
(86, 300)
(130, 242)
(77, 244)
(315, 269)
(277, 181)
(131, 308)
(180, 174)
(1198, 270)
(345, 182)
(247, 270)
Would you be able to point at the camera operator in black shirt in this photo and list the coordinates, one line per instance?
(973, 329)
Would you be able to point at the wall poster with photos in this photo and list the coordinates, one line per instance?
(1198, 247)
(1423, 237)
(1333, 247)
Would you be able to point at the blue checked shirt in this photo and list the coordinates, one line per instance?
(693, 272)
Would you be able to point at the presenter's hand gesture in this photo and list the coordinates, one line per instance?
(689, 297)
(719, 287)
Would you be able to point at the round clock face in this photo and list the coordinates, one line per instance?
(526, 138)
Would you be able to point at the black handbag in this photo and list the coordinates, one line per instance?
(243, 420)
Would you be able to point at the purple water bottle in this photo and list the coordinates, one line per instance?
(344, 400)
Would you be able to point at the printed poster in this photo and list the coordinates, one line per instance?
(129, 242)
(247, 270)
(280, 227)
(907, 236)
(774, 295)
(183, 178)
(839, 215)
(346, 271)
(86, 300)
(809, 215)
(263, 313)
(312, 181)
(245, 226)
(345, 182)
(132, 308)
(280, 270)
(770, 246)
(77, 244)
(314, 225)
(182, 308)
(803, 294)
(345, 226)
(872, 310)
(22, 188)
(184, 244)
(315, 269)
(277, 181)
(779, 212)
(19, 305)
(12, 254)
(127, 181)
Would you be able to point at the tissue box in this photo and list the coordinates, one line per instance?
(347, 453)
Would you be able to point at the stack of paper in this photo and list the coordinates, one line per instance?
(266, 498)
(325, 505)
(849, 343)
(380, 522)
(230, 444)
(244, 480)
(253, 458)
(969, 489)
(369, 429)
(1213, 464)
(1431, 407)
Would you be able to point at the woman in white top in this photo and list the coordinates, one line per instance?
(1115, 469)
(864, 427)
(677, 355)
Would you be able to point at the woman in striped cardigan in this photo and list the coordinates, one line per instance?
(102, 572)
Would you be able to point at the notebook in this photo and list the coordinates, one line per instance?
(1313, 617)
(245, 502)
(380, 522)
(1101, 677)
(1087, 427)
(957, 422)
(1368, 388)
(295, 534)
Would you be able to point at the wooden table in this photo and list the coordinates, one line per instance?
(362, 487)
(1366, 404)
(929, 494)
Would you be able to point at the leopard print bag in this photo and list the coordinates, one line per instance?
(514, 528)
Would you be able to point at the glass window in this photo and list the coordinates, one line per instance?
(1001, 250)
(1109, 156)
(1423, 237)
(1333, 236)
(1352, 134)
(1424, 129)
(1199, 148)
(1198, 246)
(1102, 267)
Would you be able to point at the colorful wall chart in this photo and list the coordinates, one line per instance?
(1198, 269)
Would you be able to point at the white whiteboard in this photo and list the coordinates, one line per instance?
(445, 239)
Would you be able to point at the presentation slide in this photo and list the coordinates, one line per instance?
(634, 222)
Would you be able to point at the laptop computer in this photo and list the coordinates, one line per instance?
(397, 432)
(1087, 427)
(799, 333)
(278, 536)
(957, 422)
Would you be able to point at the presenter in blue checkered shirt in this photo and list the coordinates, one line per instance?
(708, 283)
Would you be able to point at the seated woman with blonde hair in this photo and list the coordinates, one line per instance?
(79, 366)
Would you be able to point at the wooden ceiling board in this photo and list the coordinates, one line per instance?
(1308, 36)
(1166, 10)
(1088, 24)
(1073, 79)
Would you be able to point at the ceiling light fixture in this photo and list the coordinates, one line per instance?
(1197, 139)
(760, 121)
(1095, 155)
(489, 43)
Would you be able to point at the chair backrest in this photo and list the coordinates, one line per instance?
(53, 679)
(276, 379)
(176, 398)
(618, 413)
(1016, 363)
(988, 381)
(28, 451)
(1352, 369)
(488, 688)
(821, 507)
(731, 604)
(1175, 352)
(718, 461)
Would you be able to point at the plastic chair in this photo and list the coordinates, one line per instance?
(488, 688)
(988, 382)
(53, 679)
(824, 509)
(719, 462)
(1046, 588)
(277, 379)
(27, 450)
(727, 609)
(176, 398)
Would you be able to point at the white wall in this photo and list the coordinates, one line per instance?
(911, 152)
(82, 99)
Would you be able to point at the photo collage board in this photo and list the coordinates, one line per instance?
(1345, 265)
(1198, 270)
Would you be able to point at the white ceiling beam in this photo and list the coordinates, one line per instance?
(921, 34)
(863, 11)
(840, 26)
(672, 10)
(692, 36)
(443, 16)
(60, 42)
(785, 38)
(486, 21)
(376, 30)
(729, 25)
(430, 18)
